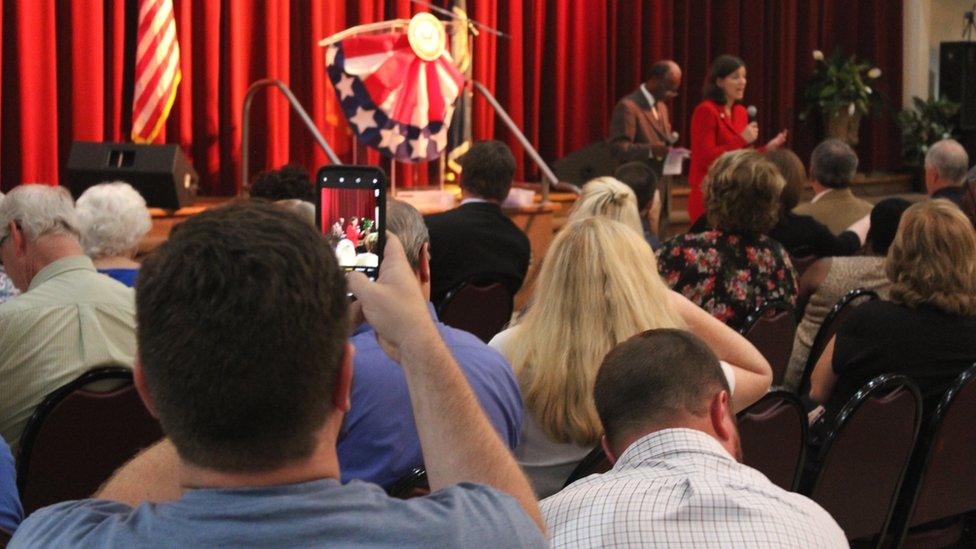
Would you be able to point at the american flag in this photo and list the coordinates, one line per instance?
(157, 73)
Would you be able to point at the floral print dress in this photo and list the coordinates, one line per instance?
(727, 274)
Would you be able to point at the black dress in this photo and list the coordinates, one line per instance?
(930, 346)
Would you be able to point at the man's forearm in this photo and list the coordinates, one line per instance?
(458, 442)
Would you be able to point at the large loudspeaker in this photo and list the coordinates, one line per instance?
(957, 79)
(161, 173)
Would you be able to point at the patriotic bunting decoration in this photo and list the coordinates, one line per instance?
(398, 89)
(157, 74)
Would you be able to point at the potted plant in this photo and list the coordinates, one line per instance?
(841, 90)
(928, 122)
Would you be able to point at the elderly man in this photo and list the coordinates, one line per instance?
(69, 317)
(640, 130)
(477, 240)
(379, 442)
(946, 163)
(832, 167)
(243, 356)
(676, 480)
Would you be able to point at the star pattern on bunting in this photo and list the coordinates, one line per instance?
(373, 124)
(363, 120)
(391, 139)
(345, 87)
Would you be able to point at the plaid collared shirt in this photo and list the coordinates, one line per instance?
(681, 488)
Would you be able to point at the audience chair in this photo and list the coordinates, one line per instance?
(771, 328)
(865, 453)
(802, 258)
(941, 479)
(773, 433)
(77, 437)
(411, 485)
(481, 306)
(829, 327)
(595, 463)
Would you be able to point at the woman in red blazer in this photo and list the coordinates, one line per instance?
(720, 124)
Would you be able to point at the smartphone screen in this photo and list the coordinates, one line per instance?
(350, 214)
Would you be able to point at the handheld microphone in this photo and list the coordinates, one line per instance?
(752, 111)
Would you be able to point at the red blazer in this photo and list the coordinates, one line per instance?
(713, 134)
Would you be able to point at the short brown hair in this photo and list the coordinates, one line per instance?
(241, 327)
(933, 259)
(487, 170)
(652, 378)
(742, 193)
(794, 177)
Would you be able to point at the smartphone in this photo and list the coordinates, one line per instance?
(350, 212)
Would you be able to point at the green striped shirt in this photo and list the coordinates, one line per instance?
(70, 320)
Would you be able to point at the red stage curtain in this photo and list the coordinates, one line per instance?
(65, 67)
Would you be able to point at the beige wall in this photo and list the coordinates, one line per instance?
(927, 23)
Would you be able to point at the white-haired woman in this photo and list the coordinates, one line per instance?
(597, 287)
(113, 218)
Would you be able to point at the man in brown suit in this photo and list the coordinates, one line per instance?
(832, 167)
(640, 128)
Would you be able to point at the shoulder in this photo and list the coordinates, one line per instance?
(503, 339)
(706, 107)
(487, 515)
(83, 522)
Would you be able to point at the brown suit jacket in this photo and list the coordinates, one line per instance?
(634, 129)
(838, 209)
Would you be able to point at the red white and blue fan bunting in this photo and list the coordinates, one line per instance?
(397, 89)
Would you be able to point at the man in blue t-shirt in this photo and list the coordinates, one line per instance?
(11, 512)
(378, 442)
(244, 358)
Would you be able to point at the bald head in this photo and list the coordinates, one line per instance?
(664, 79)
(946, 164)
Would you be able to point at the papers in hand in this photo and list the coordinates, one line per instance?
(672, 164)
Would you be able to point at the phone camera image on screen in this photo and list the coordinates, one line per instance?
(350, 216)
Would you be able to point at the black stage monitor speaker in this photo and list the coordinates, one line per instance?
(582, 165)
(957, 79)
(161, 173)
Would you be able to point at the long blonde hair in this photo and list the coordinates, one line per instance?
(598, 286)
(933, 259)
(610, 198)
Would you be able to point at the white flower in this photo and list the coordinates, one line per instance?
(818, 55)
(874, 73)
(925, 148)
(850, 109)
(946, 136)
(868, 90)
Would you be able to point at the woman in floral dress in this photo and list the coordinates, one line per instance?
(733, 269)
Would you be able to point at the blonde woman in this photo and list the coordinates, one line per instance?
(610, 198)
(927, 329)
(597, 287)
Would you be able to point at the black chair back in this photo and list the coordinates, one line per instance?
(941, 480)
(411, 485)
(594, 463)
(78, 437)
(865, 453)
(773, 434)
(771, 328)
(481, 307)
(828, 329)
